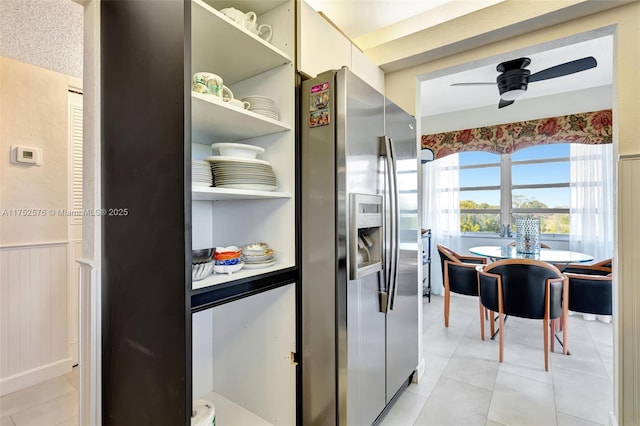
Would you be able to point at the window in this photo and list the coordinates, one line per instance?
(496, 189)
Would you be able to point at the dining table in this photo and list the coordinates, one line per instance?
(559, 258)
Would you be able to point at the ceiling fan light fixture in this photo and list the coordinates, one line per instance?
(513, 95)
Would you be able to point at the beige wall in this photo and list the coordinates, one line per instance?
(33, 112)
(401, 88)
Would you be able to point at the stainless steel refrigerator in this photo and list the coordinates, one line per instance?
(359, 250)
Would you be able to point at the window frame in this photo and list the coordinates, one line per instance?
(506, 209)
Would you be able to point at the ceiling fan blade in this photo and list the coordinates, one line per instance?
(504, 103)
(564, 69)
(474, 84)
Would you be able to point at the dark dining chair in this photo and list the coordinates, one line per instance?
(590, 294)
(459, 276)
(599, 268)
(525, 288)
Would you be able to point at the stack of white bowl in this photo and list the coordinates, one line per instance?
(201, 173)
(263, 105)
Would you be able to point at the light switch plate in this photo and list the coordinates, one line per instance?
(26, 155)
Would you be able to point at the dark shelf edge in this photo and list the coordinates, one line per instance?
(209, 297)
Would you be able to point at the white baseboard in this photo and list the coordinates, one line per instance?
(34, 376)
(419, 371)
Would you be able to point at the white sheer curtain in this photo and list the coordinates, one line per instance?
(441, 210)
(591, 209)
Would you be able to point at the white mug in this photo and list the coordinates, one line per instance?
(265, 32)
(251, 21)
(210, 84)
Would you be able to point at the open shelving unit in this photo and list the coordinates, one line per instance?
(244, 323)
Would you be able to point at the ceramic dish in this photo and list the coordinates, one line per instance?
(201, 271)
(255, 249)
(259, 265)
(237, 150)
(201, 256)
(227, 269)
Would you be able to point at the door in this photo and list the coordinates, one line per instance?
(360, 124)
(402, 317)
(75, 221)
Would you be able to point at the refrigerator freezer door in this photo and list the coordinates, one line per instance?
(402, 320)
(320, 255)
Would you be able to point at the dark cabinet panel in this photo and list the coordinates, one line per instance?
(146, 229)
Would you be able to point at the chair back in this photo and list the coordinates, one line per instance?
(462, 278)
(446, 254)
(590, 294)
(524, 287)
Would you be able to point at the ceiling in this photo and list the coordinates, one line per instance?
(371, 23)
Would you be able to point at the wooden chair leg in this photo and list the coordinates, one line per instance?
(565, 316)
(565, 334)
(482, 315)
(553, 334)
(545, 327)
(447, 298)
(501, 316)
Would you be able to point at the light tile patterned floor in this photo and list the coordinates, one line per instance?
(465, 385)
(50, 403)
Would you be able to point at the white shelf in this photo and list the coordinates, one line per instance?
(257, 6)
(228, 413)
(216, 121)
(204, 193)
(216, 279)
(220, 46)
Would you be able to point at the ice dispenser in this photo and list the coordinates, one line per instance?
(366, 235)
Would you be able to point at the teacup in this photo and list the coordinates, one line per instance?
(265, 32)
(238, 103)
(236, 15)
(210, 84)
(251, 21)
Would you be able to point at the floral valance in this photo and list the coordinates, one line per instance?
(588, 128)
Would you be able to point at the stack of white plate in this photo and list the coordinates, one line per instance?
(242, 173)
(201, 173)
(263, 105)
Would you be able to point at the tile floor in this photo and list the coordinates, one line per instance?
(50, 403)
(465, 385)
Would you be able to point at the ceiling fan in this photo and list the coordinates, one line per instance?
(514, 77)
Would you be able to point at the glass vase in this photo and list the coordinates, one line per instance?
(528, 235)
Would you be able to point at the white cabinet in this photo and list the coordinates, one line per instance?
(242, 359)
(366, 70)
(249, 66)
(322, 47)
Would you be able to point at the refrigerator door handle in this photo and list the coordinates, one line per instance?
(391, 266)
(395, 228)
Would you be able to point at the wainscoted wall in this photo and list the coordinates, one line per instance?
(37, 287)
(34, 345)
